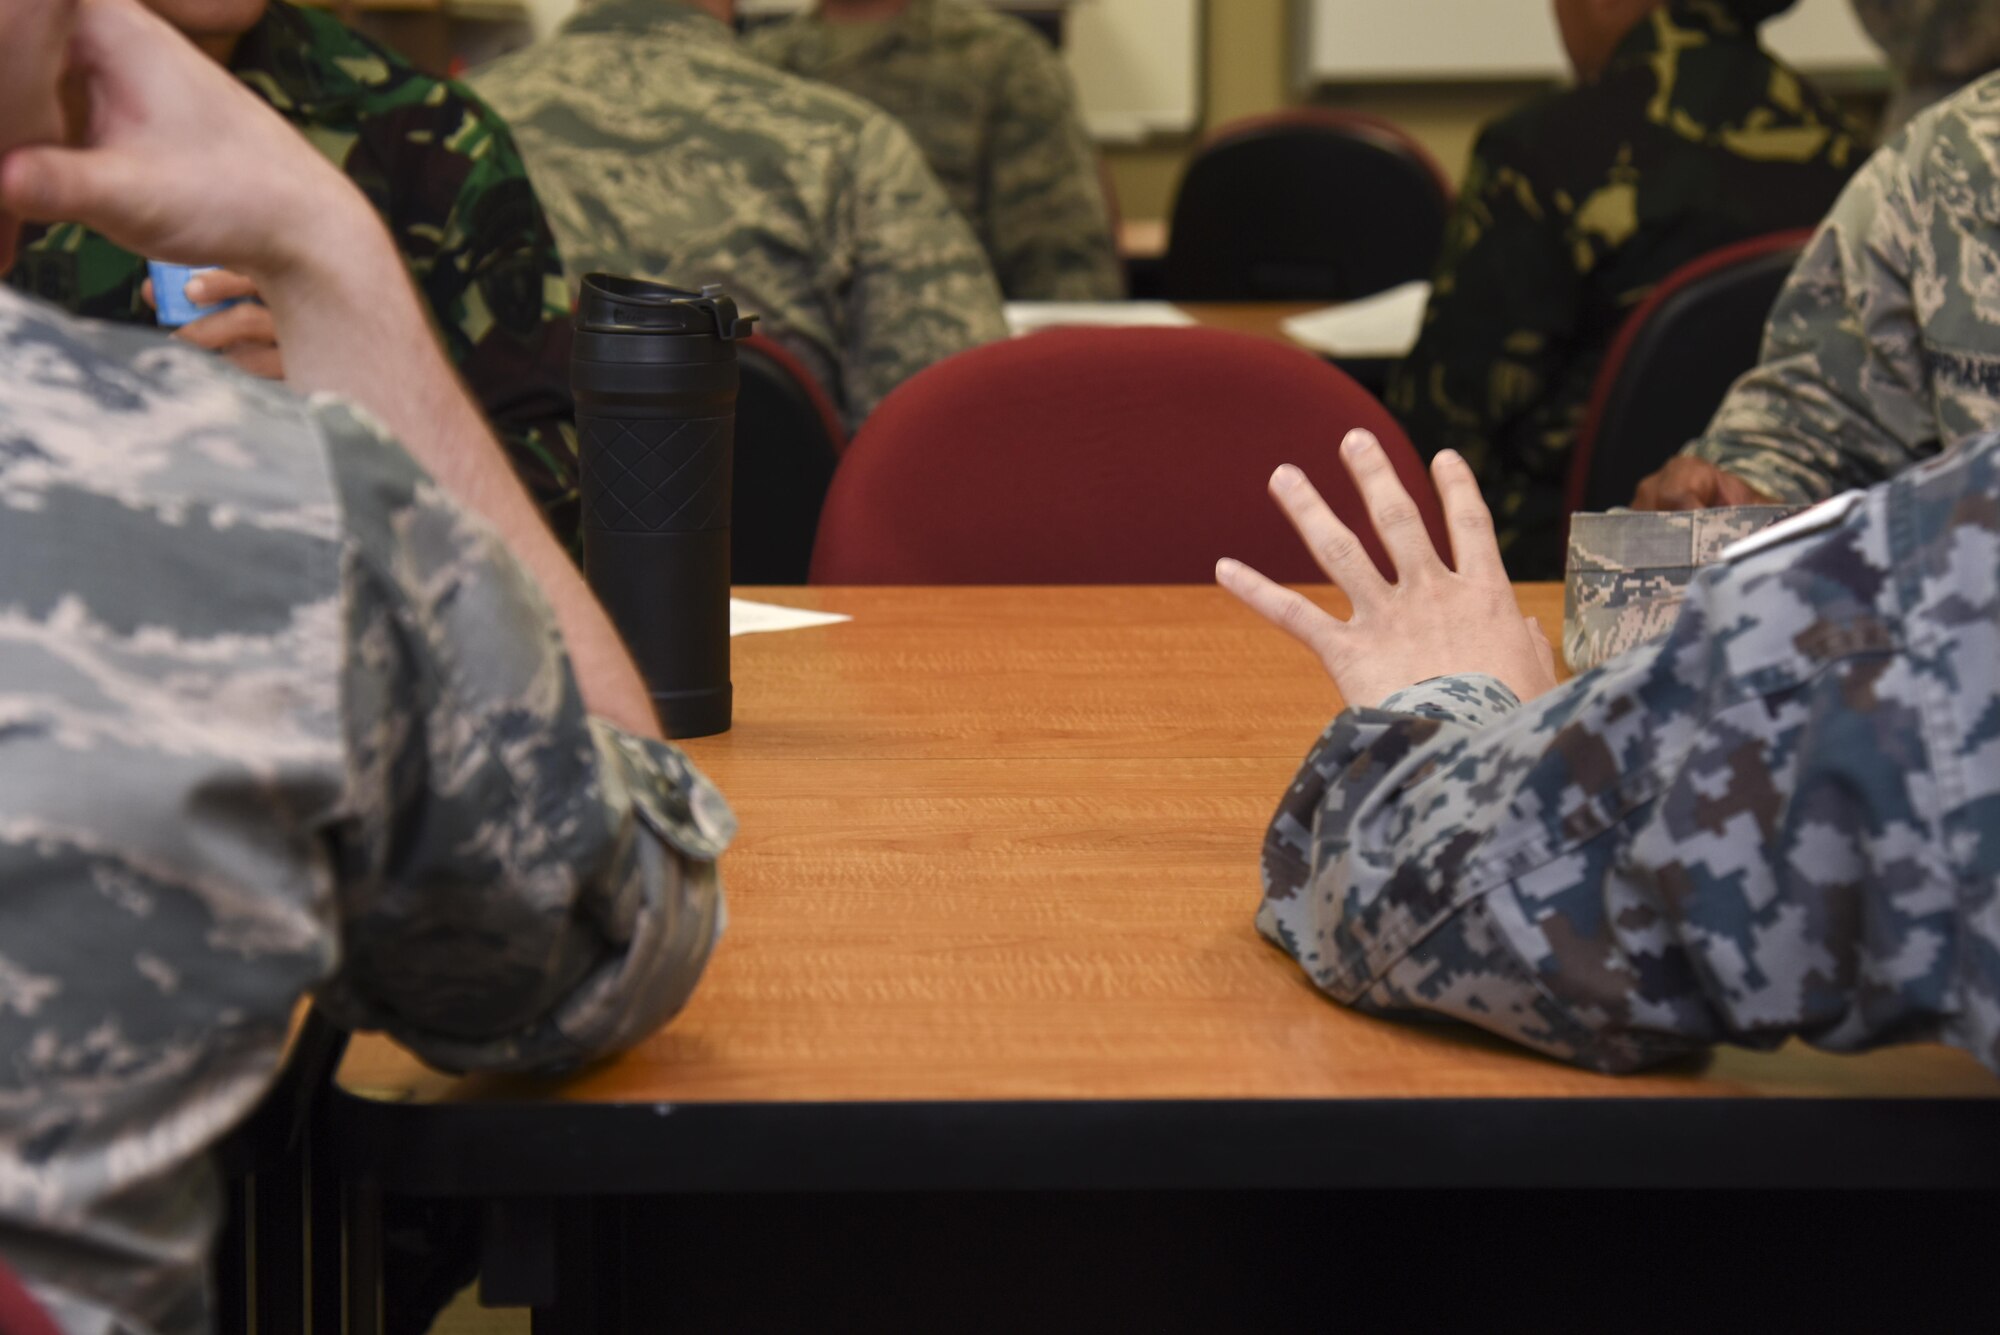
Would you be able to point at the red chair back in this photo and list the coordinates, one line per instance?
(20, 1314)
(1100, 456)
(1309, 204)
(1673, 363)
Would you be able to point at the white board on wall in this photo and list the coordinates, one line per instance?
(1386, 40)
(1136, 63)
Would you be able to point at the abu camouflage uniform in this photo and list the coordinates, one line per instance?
(1778, 821)
(1573, 210)
(663, 150)
(1629, 571)
(277, 719)
(1884, 347)
(1936, 47)
(992, 108)
(442, 171)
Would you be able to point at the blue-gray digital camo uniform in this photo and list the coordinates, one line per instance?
(277, 719)
(1782, 819)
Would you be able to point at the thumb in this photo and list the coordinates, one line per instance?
(50, 184)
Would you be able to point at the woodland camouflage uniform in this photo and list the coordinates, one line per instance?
(991, 105)
(277, 718)
(1778, 821)
(1884, 347)
(1574, 208)
(1936, 47)
(663, 150)
(442, 171)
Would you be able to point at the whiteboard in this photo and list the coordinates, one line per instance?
(1382, 40)
(1136, 64)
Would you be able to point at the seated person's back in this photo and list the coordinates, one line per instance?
(1685, 136)
(662, 150)
(991, 106)
(443, 173)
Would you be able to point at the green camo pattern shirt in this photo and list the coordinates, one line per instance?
(443, 172)
(993, 110)
(1574, 208)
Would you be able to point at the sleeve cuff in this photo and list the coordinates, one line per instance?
(1471, 700)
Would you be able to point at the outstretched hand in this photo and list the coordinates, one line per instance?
(1433, 621)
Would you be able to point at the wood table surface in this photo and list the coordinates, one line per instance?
(1002, 844)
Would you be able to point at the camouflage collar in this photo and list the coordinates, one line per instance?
(1683, 23)
(307, 63)
(650, 18)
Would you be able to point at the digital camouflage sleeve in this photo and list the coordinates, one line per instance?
(277, 719)
(991, 106)
(1781, 820)
(1884, 347)
(443, 172)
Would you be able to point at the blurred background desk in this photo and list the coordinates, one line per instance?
(992, 1043)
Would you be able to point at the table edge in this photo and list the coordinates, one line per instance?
(533, 1149)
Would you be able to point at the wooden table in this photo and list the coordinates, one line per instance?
(991, 928)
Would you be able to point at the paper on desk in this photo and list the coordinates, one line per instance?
(1027, 317)
(748, 618)
(1384, 325)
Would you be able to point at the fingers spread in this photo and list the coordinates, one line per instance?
(1396, 517)
(1333, 545)
(1474, 548)
(1288, 610)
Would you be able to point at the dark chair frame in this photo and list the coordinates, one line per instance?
(1620, 392)
(1184, 274)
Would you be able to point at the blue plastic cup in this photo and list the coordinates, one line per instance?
(170, 294)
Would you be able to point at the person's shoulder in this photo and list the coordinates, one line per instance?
(787, 107)
(152, 423)
(309, 56)
(1544, 130)
(1953, 141)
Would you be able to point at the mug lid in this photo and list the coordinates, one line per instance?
(611, 304)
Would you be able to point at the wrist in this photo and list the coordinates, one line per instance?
(335, 251)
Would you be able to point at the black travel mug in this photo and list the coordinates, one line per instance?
(654, 372)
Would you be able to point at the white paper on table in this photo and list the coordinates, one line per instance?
(748, 618)
(1027, 317)
(1384, 325)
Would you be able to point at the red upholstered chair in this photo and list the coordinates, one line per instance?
(1100, 456)
(1672, 365)
(1310, 205)
(20, 1314)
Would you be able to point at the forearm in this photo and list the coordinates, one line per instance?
(351, 325)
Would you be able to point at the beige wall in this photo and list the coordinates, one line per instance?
(1247, 63)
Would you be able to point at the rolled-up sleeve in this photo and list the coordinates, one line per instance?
(518, 886)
